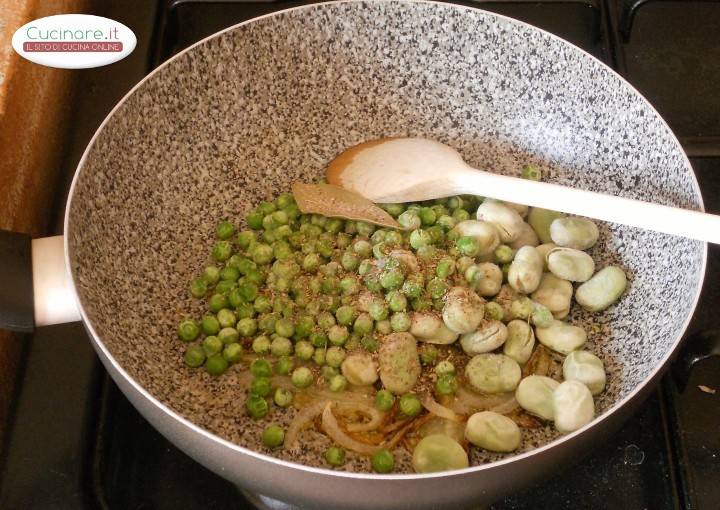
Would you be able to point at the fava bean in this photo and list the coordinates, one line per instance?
(587, 368)
(493, 373)
(544, 249)
(492, 431)
(574, 232)
(527, 237)
(602, 290)
(483, 232)
(526, 270)
(570, 264)
(438, 452)
(573, 406)
(520, 341)
(555, 294)
(490, 335)
(359, 369)
(561, 337)
(463, 310)
(535, 395)
(399, 362)
(506, 219)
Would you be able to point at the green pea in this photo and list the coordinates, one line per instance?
(419, 238)
(460, 215)
(273, 436)
(345, 315)
(217, 302)
(211, 275)
(311, 262)
(335, 456)
(254, 220)
(378, 236)
(522, 308)
(226, 318)
(225, 230)
(412, 289)
(222, 251)
(446, 385)
(245, 266)
(400, 321)
(301, 377)
(228, 335)
(410, 219)
(531, 172)
(349, 286)
(363, 325)
(257, 407)
(232, 352)
(337, 384)
(281, 346)
(210, 325)
(446, 222)
(261, 368)
(420, 304)
(365, 267)
(330, 285)
(378, 310)
(392, 279)
(261, 345)
(445, 267)
(455, 203)
(234, 298)
(188, 330)
(284, 365)
(269, 223)
(410, 405)
(350, 261)
(369, 343)
(382, 461)
(362, 248)
(437, 287)
(397, 301)
(426, 253)
(245, 238)
(267, 323)
(372, 282)
(338, 335)
(198, 287)
(304, 350)
(262, 304)
(194, 356)
(319, 356)
(494, 311)
(427, 216)
(318, 339)
(261, 253)
(304, 326)
(212, 345)
(216, 364)
(260, 386)
(283, 397)
(384, 400)
(428, 354)
(334, 356)
(468, 246)
(255, 276)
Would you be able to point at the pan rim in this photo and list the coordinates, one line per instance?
(597, 421)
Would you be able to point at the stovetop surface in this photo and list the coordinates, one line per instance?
(77, 443)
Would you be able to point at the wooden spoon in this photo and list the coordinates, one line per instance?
(414, 169)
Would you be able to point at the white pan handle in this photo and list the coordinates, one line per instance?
(53, 297)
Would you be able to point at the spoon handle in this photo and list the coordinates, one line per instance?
(627, 211)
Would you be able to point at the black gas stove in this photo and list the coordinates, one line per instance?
(75, 441)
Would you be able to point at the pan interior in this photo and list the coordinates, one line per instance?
(241, 116)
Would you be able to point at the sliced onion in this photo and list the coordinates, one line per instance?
(399, 435)
(506, 407)
(443, 412)
(342, 396)
(468, 402)
(301, 420)
(332, 429)
(376, 417)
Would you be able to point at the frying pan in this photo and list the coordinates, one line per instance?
(236, 118)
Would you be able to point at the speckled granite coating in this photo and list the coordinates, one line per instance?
(241, 116)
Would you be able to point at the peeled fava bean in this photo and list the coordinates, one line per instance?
(540, 220)
(359, 369)
(573, 406)
(574, 232)
(535, 395)
(506, 219)
(587, 368)
(602, 290)
(561, 337)
(493, 373)
(521, 209)
(493, 431)
(570, 264)
(527, 237)
(463, 310)
(489, 336)
(526, 270)
(399, 362)
(438, 452)
(485, 233)
(555, 294)
(489, 280)
(520, 341)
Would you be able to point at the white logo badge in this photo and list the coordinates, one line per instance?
(74, 41)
